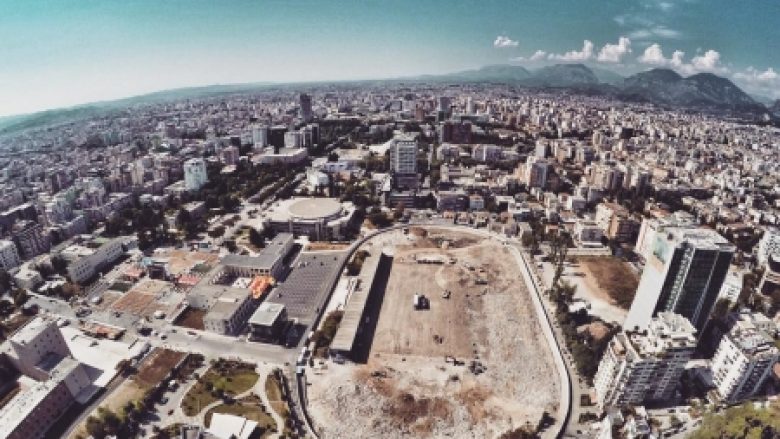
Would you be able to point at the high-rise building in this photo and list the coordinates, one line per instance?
(276, 136)
(683, 273)
(195, 175)
(305, 103)
(403, 156)
(260, 136)
(742, 362)
(651, 227)
(641, 367)
(29, 239)
(9, 256)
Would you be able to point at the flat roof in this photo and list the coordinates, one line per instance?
(314, 208)
(356, 304)
(266, 314)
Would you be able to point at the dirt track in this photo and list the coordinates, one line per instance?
(407, 388)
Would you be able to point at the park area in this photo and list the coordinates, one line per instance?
(224, 378)
(472, 363)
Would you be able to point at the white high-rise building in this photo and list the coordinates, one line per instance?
(769, 245)
(470, 107)
(644, 367)
(260, 136)
(9, 255)
(742, 362)
(652, 226)
(403, 156)
(684, 272)
(195, 174)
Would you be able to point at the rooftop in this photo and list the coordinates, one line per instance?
(266, 314)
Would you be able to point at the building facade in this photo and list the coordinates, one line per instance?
(645, 367)
(195, 175)
(743, 362)
(683, 274)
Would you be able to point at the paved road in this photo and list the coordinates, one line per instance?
(579, 387)
(215, 346)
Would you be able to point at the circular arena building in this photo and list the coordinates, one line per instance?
(318, 218)
(308, 209)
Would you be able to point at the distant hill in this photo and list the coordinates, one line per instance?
(563, 75)
(775, 108)
(703, 90)
(663, 87)
(15, 124)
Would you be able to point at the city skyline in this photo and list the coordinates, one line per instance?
(58, 56)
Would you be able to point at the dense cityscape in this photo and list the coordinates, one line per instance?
(384, 260)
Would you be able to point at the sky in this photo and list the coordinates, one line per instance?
(62, 53)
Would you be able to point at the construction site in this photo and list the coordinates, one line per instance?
(456, 349)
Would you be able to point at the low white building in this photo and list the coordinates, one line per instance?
(84, 261)
(588, 232)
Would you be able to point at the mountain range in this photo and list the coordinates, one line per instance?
(662, 87)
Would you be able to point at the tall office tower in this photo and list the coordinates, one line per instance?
(195, 175)
(403, 163)
(651, 227)
(305, 103)
(29, 239)
(645, 367)
(684, 272)
(276, 136)
(260, 136)
(403, 156)
(444, 108)
(742, 362)
(470, 109)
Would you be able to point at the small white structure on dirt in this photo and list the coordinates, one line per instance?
(226, 426)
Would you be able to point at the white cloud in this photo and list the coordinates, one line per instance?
(708, 62)
(583, 55)
(765, 82)
(504, 41)
(653, 55)
(538, 55)
(614, 53)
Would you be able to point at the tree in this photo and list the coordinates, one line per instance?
(5, 280)
(255, 238)
(20, 296)
(95, 428)
(559, 251)
(216, 232)
(182, 218)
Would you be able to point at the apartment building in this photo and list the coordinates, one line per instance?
(742, 362)
(642, 367)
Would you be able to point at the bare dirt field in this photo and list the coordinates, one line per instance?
(407, 388)
(612, 276)
(191, 318)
